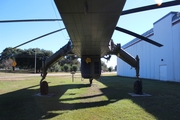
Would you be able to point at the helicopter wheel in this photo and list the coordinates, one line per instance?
(44, 88)
(138, 87)
(90, 81)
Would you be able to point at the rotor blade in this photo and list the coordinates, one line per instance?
(151, 7)
(39, 37)
(30, 20)
(139, 36)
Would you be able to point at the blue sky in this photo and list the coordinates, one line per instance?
(12, 34)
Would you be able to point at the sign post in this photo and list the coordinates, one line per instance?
(72, 72)
(14, 65)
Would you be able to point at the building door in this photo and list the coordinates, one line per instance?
(163, 72)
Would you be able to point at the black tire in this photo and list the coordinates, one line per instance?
(90, 81)
(138, 87)
(44, 88)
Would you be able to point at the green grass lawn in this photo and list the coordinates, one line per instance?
(106, 99)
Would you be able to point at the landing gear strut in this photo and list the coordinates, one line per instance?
(134, 62)
(43, 84)
(47, 62)
(137, 83)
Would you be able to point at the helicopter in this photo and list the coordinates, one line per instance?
(90, 25)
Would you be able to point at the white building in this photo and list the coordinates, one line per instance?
(162, 63)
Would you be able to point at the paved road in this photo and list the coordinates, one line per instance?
(16, 76)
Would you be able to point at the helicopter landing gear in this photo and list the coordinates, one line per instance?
(90, 81)
(138, 87)
(44, 88)
(137, 83)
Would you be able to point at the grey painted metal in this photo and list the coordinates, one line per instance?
(139, 36)
(151, 7)
(91, 69)
(90, 24)
(30, 20)
(39, 37)
(54, 58)
(126, 57)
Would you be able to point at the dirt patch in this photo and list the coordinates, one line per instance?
(12, 78)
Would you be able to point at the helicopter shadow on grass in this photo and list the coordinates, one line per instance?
(66, 104)
(22, 104)
(163, 104)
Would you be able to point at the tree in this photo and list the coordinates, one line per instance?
(69, 59)
(110, 69)
(66, 68)
(26, 58)
(1, 65)
(55, 68)
(103, 66)
(74, 68)
(7, 63)
(115, 68)
(7, 52)
(62, 62)
(62, 68)
(72, 62)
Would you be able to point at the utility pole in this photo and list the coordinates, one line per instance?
(35, 61)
